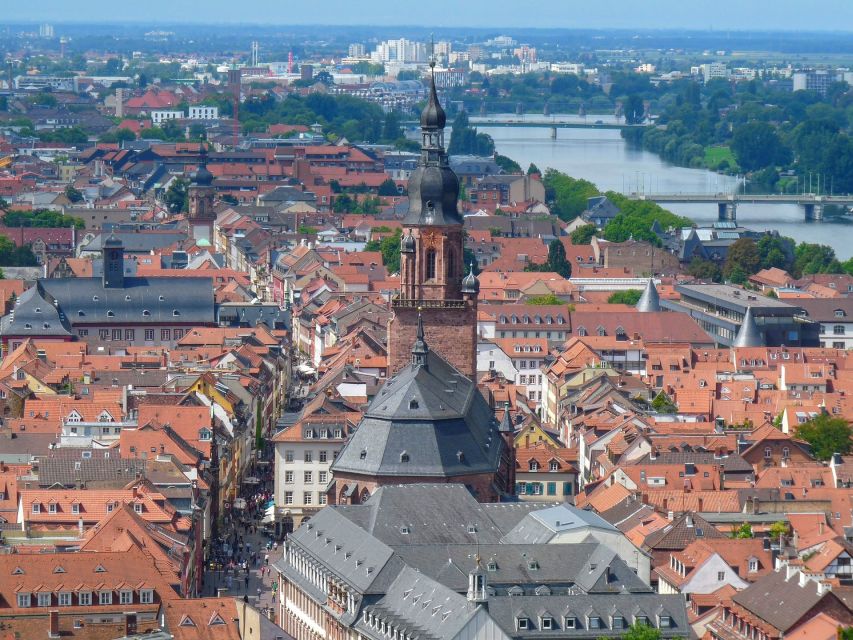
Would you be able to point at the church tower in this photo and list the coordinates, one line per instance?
(201, 192)
(432, 270)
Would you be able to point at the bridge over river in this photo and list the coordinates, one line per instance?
(727, 203)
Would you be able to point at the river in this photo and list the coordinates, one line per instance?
(602, 156)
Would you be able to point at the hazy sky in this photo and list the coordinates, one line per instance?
(835, 15)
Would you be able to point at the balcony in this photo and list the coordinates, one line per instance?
(404, 303)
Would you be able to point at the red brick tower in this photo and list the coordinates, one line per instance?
(432, 276)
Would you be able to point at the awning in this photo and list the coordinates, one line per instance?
(269, 515)
(251, 480)
(306, 369)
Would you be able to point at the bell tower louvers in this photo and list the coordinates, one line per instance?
(432, 270)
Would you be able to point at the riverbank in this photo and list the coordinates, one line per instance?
(605, 159)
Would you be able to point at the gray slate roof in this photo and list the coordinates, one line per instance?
(137, 242)
(428, 420)
(65, 302)
(69, 468)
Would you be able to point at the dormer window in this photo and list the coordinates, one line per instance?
(533, 465)
(51, 508)
(405, 530)
(137, 506)
(547, 623)
(553, 465)
(404, 457)
(363, 454)
(110, 314)
(36, 507)
(127, 298)
(522, 623)
(146, 313)
(492, 566)
(204, 434)
(594, 622)
(532, 565)
(75, 508)
(618, 622)
(175, 312)
(161, 298)
(413, 404)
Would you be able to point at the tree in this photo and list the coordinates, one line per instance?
(508, 165)
(533, 170)
(743, 258)
(628, 296)
(549, 298)
(704, 269)
(742, 532)
(388, 188)
(756, 145)
(779, 528)
(662, 404)
(826, 435)
(568, 196)
(177, 196)
(814, 258)
(634, 109)
(641, 631)
(73, 194)
(389, 247)
(118, 136)
(557, 260)
(584, 234)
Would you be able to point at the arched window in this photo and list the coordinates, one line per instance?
(430, 264)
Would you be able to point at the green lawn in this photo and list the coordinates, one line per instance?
(714, 156)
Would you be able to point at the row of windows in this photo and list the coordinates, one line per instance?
(549, 335)
(547, 623)
(308, 456)
(84, 598)
(527, 320)
(307, 477)
(323, 433)
(77, 509)
(541, 488)
(533, 465)
(522, 379)
(307, 498)
(130, 334)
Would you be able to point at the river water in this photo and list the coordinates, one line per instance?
(602, 156)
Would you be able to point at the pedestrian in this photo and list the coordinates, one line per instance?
(246, 580)
(267, 559)
(259, 593)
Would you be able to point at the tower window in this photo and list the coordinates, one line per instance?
(430, 264)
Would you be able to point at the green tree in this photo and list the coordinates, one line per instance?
(118, 136)
(557, 261)
(533, 170)
(177, 196)
(628, 296)
(73, 194)
(779, 528)
(549, 298)
(388, 188)
(756, 145)
(704, 269)
(392, 129)
(743, 258)
(508, 165)
(634, 109)
(390, 249)
(814, 258)
(567, 196)
(742, 532)
(826, 435)
(584, 234)
(42, 218)
(662, 404)
(641, 631)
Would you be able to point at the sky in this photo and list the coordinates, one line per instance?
(788, 15)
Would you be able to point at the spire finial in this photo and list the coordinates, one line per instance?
(432, 53)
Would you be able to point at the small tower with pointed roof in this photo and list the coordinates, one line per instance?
(201, 194)
(749, 335)
(650, 300)
(432, 272)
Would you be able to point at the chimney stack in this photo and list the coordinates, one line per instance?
(700, 506)
(755, 505)
(722, 477)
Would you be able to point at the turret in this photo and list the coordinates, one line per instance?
(650, 300)
(420, 348)
(749, 335)
(470, 283)
(477, 593)
(113, 258)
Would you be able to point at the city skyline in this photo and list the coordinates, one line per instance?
(788, 15)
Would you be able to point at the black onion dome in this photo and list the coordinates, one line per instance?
(202, 177)
(433, 116)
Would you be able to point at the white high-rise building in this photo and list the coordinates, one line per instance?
(46, 30)
(401, 50)
(357, 50)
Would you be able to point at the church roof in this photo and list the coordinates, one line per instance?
(428, 420)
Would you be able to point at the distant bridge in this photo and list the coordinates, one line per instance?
(727, 203)
(552, 123)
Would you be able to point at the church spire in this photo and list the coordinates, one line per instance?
(420, 348)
